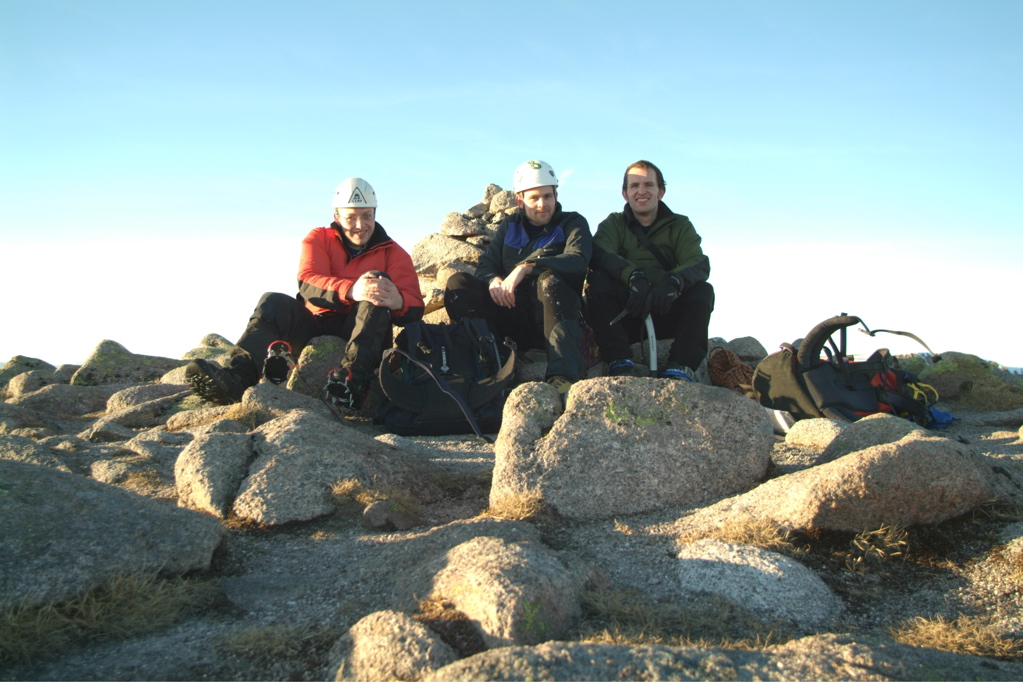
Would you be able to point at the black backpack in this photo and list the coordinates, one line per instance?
(837, 387)
(445, 379)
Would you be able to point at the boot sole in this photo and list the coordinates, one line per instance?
(207, 388)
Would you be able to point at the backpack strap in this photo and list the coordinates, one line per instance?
(645, 240)
(482, 334)
(413, 334)
(916, 338)
(441, 383)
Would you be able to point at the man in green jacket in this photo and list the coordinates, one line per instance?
(528, 284)
(648, 261)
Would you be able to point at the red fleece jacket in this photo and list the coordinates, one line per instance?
(326, 273)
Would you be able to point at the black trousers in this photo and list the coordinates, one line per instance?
(546, 315)
(687, 321)
(279, 317)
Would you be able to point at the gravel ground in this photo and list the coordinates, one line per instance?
(306, 583)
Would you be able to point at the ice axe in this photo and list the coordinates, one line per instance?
(651, 338)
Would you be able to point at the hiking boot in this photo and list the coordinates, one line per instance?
(278, 363)
(677, 372)
(213, 383)
(622, 368)
(560, 382)
(344, 392)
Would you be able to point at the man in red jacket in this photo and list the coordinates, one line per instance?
(354, 282)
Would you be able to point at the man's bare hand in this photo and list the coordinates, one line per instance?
(503, 290)
(500, 296)
(380, 291)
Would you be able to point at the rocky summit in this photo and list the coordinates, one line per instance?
(639, 528)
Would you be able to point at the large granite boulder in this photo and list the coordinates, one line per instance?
(389, 645)
(515, 592)
(436, 250)
(112, 363)
(817, 657)
(66, 534)
(626, 445)
(301, 455)
(974, 382)
(19, 364)
(65, 400)
(772, 586)
(210, 469)
(919, 479)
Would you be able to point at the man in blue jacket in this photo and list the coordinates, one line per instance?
(528, 284)
(648, 261)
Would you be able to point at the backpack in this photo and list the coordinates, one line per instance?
(837, 387)
(445, 379)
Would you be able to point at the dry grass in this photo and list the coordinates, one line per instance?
(125, 605)
(631, 618)
(995, 510)
(759, 532)
(964, 635)
(869, 549)
(351, 489)
(529, 508)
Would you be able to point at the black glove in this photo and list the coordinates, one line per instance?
(639, 289)
(664, 294)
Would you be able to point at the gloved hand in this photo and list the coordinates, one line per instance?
(639, 290)
(664, 294)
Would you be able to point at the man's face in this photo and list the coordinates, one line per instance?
(538, 203)
(642, 192)
(357, 224)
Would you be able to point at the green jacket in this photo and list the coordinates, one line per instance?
(618, 251)
(564, 245)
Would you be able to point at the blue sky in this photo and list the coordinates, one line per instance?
(163, 160)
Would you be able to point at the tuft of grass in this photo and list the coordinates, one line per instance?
(965, 635)
(757, 532)
(351, 489)
(996, 510)
(870, 549)
(631, 618)
(530, 508)
(124, 606)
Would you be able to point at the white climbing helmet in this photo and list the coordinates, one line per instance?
(354, 193)
(533, 174)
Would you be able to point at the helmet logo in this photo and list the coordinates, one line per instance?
(535, 165)
(357, 197)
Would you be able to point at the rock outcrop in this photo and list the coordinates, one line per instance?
(628, 445)
(65, 534)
